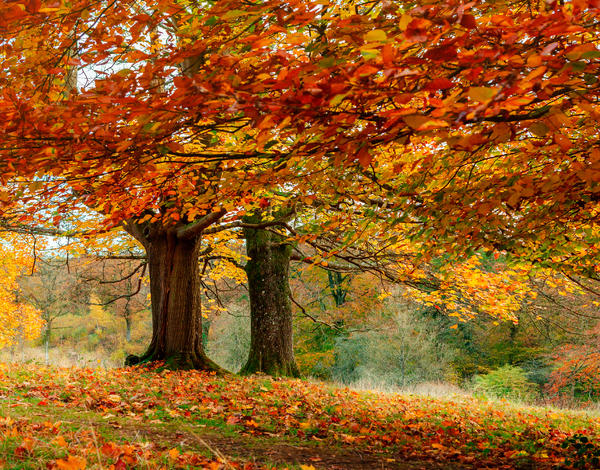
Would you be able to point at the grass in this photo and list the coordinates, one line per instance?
(136, 418)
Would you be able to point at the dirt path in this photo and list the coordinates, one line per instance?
(273, 451)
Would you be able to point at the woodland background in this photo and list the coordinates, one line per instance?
(352, 328)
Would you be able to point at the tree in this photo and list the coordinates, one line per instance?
(267, 268)
(168, 227)
(54, 292)
(19, 319)
(190, 111)
(121, 288)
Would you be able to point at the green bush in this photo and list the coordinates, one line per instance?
(408, 353)
(538, 370)
(506, 382)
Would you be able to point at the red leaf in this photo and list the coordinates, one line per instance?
(442, 54)
(33, 6)
(364, 157)
(468, 21)
(439, 84)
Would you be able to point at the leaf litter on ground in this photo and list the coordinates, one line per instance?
(77, 418)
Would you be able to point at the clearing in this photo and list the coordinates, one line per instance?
(138, 418)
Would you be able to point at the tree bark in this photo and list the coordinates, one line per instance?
(175, 299)
(47, 335)
(271, 335)
(128, 328)
(336, 285)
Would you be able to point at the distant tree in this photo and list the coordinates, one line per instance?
(20, 320)
(121, 287)
(55, 292)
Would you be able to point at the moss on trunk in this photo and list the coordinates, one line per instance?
(271, 341)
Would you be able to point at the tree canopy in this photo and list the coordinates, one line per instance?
(444, 127)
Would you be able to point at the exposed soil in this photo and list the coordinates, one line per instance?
(274, 451)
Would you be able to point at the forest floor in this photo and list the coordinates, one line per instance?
(136, 418)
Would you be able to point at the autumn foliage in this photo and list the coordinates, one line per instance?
(575, 377)
(493, 102)
(18, 319)
(450, 147)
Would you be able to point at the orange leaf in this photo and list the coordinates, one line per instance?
(388, 54)
(365, 70)
(71, 463)
(562, 141)
(60, 441)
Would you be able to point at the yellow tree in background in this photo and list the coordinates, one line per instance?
(18, 320)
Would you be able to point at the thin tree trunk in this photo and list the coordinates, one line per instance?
(127, 314)
(128, 328)
(47, 334)
(271, 335)
(175, 298)
(336, 285)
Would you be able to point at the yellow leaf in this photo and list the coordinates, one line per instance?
(405, 21)
(481, 93)
(376, 35)
(535, 73)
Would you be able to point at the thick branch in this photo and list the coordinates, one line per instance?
(195, 229)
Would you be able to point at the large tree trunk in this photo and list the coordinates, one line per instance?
(271, 337)
(175, 298)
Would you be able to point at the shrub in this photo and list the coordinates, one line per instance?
(538, 370)
(408, 353)
(506, 382)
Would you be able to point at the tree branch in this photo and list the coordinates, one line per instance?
(190, 231)
(240, 224)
